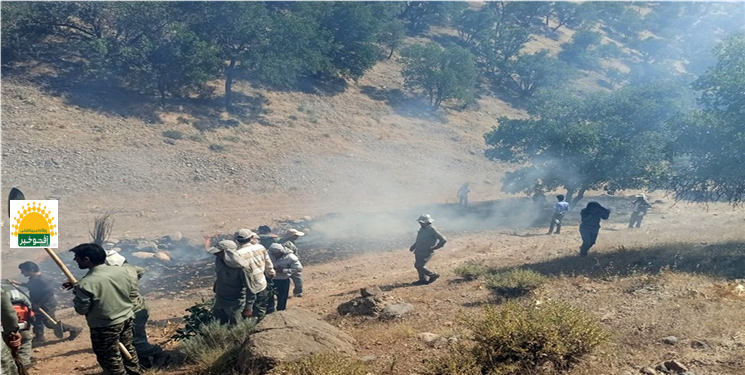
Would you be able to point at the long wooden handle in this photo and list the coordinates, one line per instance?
(72, 279)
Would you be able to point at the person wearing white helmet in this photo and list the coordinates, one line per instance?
(258, 269)
(428, 239)
(640, 205)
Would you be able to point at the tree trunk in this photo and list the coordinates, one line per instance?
(568, 197)
(162, 91)
(390, 54)
(229, 73)
(580, 195)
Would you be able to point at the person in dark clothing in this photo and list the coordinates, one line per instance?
(590, 226)
(41, 291)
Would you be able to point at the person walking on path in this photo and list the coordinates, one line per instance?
(590, 226)
(463, 194)
(560, 208)
(428, 240)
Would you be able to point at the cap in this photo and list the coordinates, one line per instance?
(244, 234)
(114, 259)
(293, 232)
(425, 218)
(224, 245)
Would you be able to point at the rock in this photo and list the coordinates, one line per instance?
(427, 337)
(648, 371)
(695, 344)
(288, 336)
(669, 340)
(371, 291)
(175, 237)
(661, 368)
(395, 311)
(162, 256)
(368, 306)
(142, 254)
(146, 246)
(368, 358)
(676, 366)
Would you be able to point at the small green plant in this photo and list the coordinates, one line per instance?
(514, 283)
(173, 134)
(217, 147)
(471, 270)
(323, 363)
(516, 338)
(198, 315)
(199, 137)
(215, 348)
(231, 138)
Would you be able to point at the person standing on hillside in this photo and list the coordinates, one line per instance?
(258, 269)
(266, 237)
(590, 226)
(41, 291)
(146, 352)
(288, 241)
(640, 205)
(428, 239)
(232, 302)
(286, 264)
(23, 308)
(11, 342)
(463, 194)
(560, 208)
(103, 295)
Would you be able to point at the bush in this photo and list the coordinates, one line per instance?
(515, 283)
(471, 270)
(522, 339)
(217, 147)
(198, 315)
(324, 363)
(215, 347)
(173, 134)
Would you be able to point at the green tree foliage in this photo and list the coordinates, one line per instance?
(441, 74)
(474, 23)
(712, 140)
(612, 141)
(21, 32)
(498, 47)
(423, 14)
(529, 72)
(392, 35)
(582, 50)
(569, 14)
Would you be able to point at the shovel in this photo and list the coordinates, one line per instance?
(58, 331)
(17, 194)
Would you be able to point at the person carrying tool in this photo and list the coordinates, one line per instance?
(103, 295)
(41, 292)
(22, 305)
(147, 353)
(11, 341)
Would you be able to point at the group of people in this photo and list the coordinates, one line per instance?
(591, 216)
(253, 272)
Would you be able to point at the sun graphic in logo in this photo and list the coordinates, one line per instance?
(33, 225)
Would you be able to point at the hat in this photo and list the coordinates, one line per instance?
(641, 196)
(293, 232)
(425, 218)
(264, 229)
(244, 234)
(224, 245)
(114, 259)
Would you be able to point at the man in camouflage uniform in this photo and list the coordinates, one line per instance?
(103, 295)
(427, 241)
(288, 241)
(231, 299)
(145, 350)
(11, 341)
(25, 351)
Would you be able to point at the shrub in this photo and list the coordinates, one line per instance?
(217, 147)
(173, 134)
(523, 339)
(471, 270)
(215, 347)
(198, 315)
(323, 363)
(514, 283)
